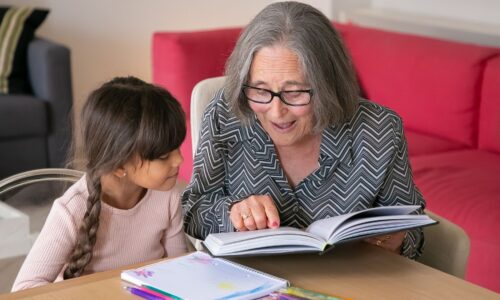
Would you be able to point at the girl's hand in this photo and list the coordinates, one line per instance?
(255, 212)
(391, 242)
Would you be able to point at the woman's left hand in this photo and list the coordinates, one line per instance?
(391, 242)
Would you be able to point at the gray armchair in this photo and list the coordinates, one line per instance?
(35, 130)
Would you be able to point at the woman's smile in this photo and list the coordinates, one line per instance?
(283, 127)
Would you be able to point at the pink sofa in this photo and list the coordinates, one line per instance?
(447, 93)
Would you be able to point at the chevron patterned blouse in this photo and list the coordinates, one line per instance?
(363, 163)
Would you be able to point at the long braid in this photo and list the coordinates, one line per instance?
(82, 254)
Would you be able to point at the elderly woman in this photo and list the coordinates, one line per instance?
(289, 141)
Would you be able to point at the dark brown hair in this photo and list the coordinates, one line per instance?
(124, 117)
(324, 60)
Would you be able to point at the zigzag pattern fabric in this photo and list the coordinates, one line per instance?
(362, 164)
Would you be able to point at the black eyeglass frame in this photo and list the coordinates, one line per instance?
(278, 94)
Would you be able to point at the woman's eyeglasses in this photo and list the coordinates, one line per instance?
(263, 96)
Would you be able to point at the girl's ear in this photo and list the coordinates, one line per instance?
(120, 172)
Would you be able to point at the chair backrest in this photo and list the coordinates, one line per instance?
(202, 93)
(446, 247)
(39, 175)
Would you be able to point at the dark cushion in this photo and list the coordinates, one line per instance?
(22, 115)
(17, 28)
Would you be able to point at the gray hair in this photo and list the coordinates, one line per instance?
(321, 53)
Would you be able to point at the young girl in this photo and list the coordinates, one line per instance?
(124, 210)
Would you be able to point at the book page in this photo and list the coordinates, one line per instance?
(326, 227)
(200, 276)
(362, 228)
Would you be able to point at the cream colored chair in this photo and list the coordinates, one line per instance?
(202, 93)
(447, 247)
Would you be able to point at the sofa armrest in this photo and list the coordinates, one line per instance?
(49, 70)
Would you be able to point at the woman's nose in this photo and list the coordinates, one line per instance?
(278, 108)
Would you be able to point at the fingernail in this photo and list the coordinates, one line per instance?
(274, 224)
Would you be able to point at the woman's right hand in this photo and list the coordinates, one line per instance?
(255, 212)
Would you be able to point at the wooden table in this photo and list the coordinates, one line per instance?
(356, 271)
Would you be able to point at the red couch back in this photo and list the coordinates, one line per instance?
(434, 85)
(182, 59)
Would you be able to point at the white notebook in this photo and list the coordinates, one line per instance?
(200, 276)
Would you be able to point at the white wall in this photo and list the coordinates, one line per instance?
(468, 21)
(475, 11)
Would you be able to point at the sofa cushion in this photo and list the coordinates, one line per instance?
(22, 115)
(17, 28)
(489, 115)
(422, 143)
(433, 84)
(462, 186)
(182, 59)
(22, 154)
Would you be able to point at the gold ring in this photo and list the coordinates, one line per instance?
(245, 216)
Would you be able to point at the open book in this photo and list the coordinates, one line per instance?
(320, 235)
(200, 276)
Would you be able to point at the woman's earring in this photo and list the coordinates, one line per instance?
(124, 174)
